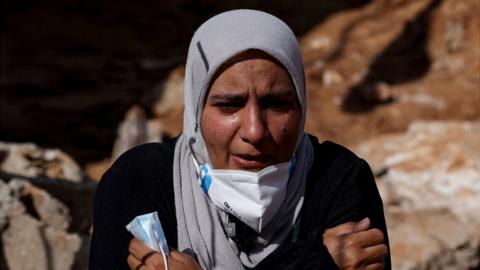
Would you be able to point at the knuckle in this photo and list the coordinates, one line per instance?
(328, 240)
(130, 261)
(350, 242)
(384, 249)
(376, 266)
(132, 246)
(350, 226)
(155, 262)
(381, 264)
(378, 234)
(356, 258)
(340, 229)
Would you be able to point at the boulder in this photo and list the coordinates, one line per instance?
(41, 205)
(33, 230)
(55, 172)
(429, 179)
(168, 109)
(26, 159)
(134, 130)
(431, 239)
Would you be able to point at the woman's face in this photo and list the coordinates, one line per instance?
(251, 116)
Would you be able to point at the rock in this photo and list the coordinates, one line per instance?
(431, 239)
(95, 170)
(135, 130)
(383, 92)
(9, 205)
(131, 131)
(429, 179)
(319, 43)
(331, 78)
(42, 205)
(424, 100)
(26, 159)
(169, 107)
(28, 244)
(45, 168)
(172, 93)
(34, 229)
(454, 35)
(378, 93)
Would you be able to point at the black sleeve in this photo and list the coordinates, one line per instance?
(340, 189)
(139, 182)
(344, 190)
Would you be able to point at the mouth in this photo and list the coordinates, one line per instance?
(250, 162)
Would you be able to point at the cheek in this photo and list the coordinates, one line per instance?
(218, 129)
(287, 127)
(285, 132)
(218, 132)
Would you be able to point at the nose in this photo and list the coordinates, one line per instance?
(253, 128)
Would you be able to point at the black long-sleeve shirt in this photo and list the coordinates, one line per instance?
(339, 189)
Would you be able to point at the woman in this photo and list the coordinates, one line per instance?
(243, 187)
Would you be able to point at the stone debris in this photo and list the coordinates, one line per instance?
(168, 109)
(429, 179)
(331, 78)
(171, 98)
(33, 230)
(428, 172)
(135, 130)
(27, 159)
(42, 205)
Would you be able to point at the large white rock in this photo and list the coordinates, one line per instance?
(134, 130)
(26, 159)
(429, 179)
(33, 228)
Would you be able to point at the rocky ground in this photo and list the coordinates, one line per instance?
(397, 81)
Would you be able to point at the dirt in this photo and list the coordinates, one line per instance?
(395, 61)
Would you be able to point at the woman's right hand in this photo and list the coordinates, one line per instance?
(353, 245)
(144, 258)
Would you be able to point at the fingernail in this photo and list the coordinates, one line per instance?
(363, 221)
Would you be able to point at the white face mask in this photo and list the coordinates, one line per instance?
(252, 197)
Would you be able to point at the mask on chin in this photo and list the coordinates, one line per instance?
(252, 197)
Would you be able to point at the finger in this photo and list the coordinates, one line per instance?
(135, 264)
(138, 249)
(362, 225)
(376, 266)
(376, 253)
(181, 257)
(176, 255)
(368, 238)
(349, 227)
(145, 255)
(341, 229)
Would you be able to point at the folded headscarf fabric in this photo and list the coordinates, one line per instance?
(200, 223)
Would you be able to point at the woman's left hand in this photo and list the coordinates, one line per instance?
(144, 258)
(353, 245)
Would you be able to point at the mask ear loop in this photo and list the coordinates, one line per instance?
(165, 262)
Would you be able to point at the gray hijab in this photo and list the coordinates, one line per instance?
(200, 224)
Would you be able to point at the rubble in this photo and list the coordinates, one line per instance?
(429, 179)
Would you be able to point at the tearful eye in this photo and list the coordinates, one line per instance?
(228, 106)
(279, 104)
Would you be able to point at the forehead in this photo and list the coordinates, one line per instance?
(251, 69)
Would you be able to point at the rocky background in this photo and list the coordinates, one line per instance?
(397, 81)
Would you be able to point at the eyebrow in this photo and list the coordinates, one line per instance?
(233, 97)
(228, 96)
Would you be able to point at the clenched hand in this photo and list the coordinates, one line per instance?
(144, 258)
(353, 245)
